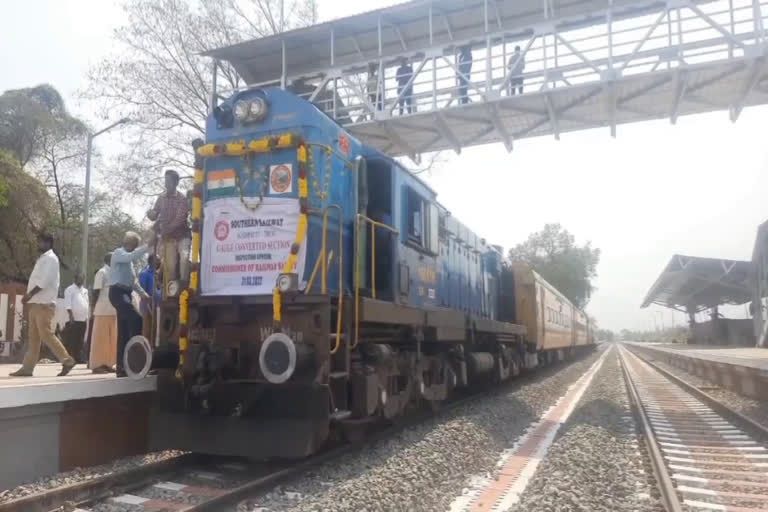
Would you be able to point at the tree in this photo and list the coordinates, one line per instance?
(3, 192)
(605, 335)
(44, 151)
(27, 211)
(157, 77)
(49, 143)
(553, 253)
(25, 114)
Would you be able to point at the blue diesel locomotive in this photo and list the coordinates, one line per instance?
(330, 290)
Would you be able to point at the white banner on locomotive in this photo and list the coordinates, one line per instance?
(245, 247)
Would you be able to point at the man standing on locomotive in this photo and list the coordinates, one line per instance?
(170, 212)
(122, 282)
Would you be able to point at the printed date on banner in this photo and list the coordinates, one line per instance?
(251, 280)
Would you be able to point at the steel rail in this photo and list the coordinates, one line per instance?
(91, 492)
(258, 485)
(666, 487)
(97, 488)
(757, 428)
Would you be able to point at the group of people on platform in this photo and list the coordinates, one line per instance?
(404, 79)
(116, 315)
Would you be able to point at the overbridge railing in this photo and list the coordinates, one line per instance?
(554, 56)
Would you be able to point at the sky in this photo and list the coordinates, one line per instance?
(696, 188)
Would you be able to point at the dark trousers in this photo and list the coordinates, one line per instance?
(406, 99)
(464, 83)
(129, 321)
(73, 338)
(515, 83)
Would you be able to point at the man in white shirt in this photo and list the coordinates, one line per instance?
(77, 306)
(103, 355)
(40, 305)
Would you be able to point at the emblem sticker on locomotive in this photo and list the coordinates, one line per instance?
(281, 179)
(221, 231)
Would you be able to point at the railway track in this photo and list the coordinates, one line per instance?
(705, 456)
(192, 483)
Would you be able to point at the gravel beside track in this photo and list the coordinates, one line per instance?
(424, 466)
(78, 475)
(754, 409)
(598, 461)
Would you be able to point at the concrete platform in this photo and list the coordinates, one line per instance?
(743, 370)
(50, 424)
(45, 387)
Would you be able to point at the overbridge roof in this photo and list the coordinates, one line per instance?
(689, 282)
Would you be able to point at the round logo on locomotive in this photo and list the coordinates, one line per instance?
(281, 178)
(221, 230)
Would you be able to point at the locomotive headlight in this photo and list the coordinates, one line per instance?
(287, 282)
(173, 288)
(249, 111)
(242, 110)
(258, 109)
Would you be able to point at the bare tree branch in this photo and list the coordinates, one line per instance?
(157, 77)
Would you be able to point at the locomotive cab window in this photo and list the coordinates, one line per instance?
(422, 221)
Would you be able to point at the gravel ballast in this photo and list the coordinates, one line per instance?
(425, 466)
(79, 475)
(597, 461)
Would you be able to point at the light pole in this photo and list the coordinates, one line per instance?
(661, 316)
(91, 136)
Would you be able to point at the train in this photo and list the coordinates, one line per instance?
(330, 292)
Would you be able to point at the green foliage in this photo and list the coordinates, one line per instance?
(3, 192)
(677, 334)
(29, 116)
(28, 210)
(605, 335)
(42, 160)
(553, 253)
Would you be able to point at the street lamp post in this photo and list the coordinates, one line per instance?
(84, 265)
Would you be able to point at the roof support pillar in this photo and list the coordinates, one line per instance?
(446, 132)
(681, 85)
(755, 72)
(283, 74)
(499, 126)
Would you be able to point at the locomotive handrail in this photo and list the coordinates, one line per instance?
(322, 262)
(374, 224)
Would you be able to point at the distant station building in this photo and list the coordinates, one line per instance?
(693, 285)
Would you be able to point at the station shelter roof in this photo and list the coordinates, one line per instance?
(692, 283)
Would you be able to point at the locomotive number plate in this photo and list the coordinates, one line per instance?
(201, 334)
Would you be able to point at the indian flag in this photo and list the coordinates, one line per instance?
(221, 183)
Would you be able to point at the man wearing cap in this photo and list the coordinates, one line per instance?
(40, 307)
(170, 213)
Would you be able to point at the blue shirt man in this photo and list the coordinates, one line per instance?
(147, 282)
(121, 271)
